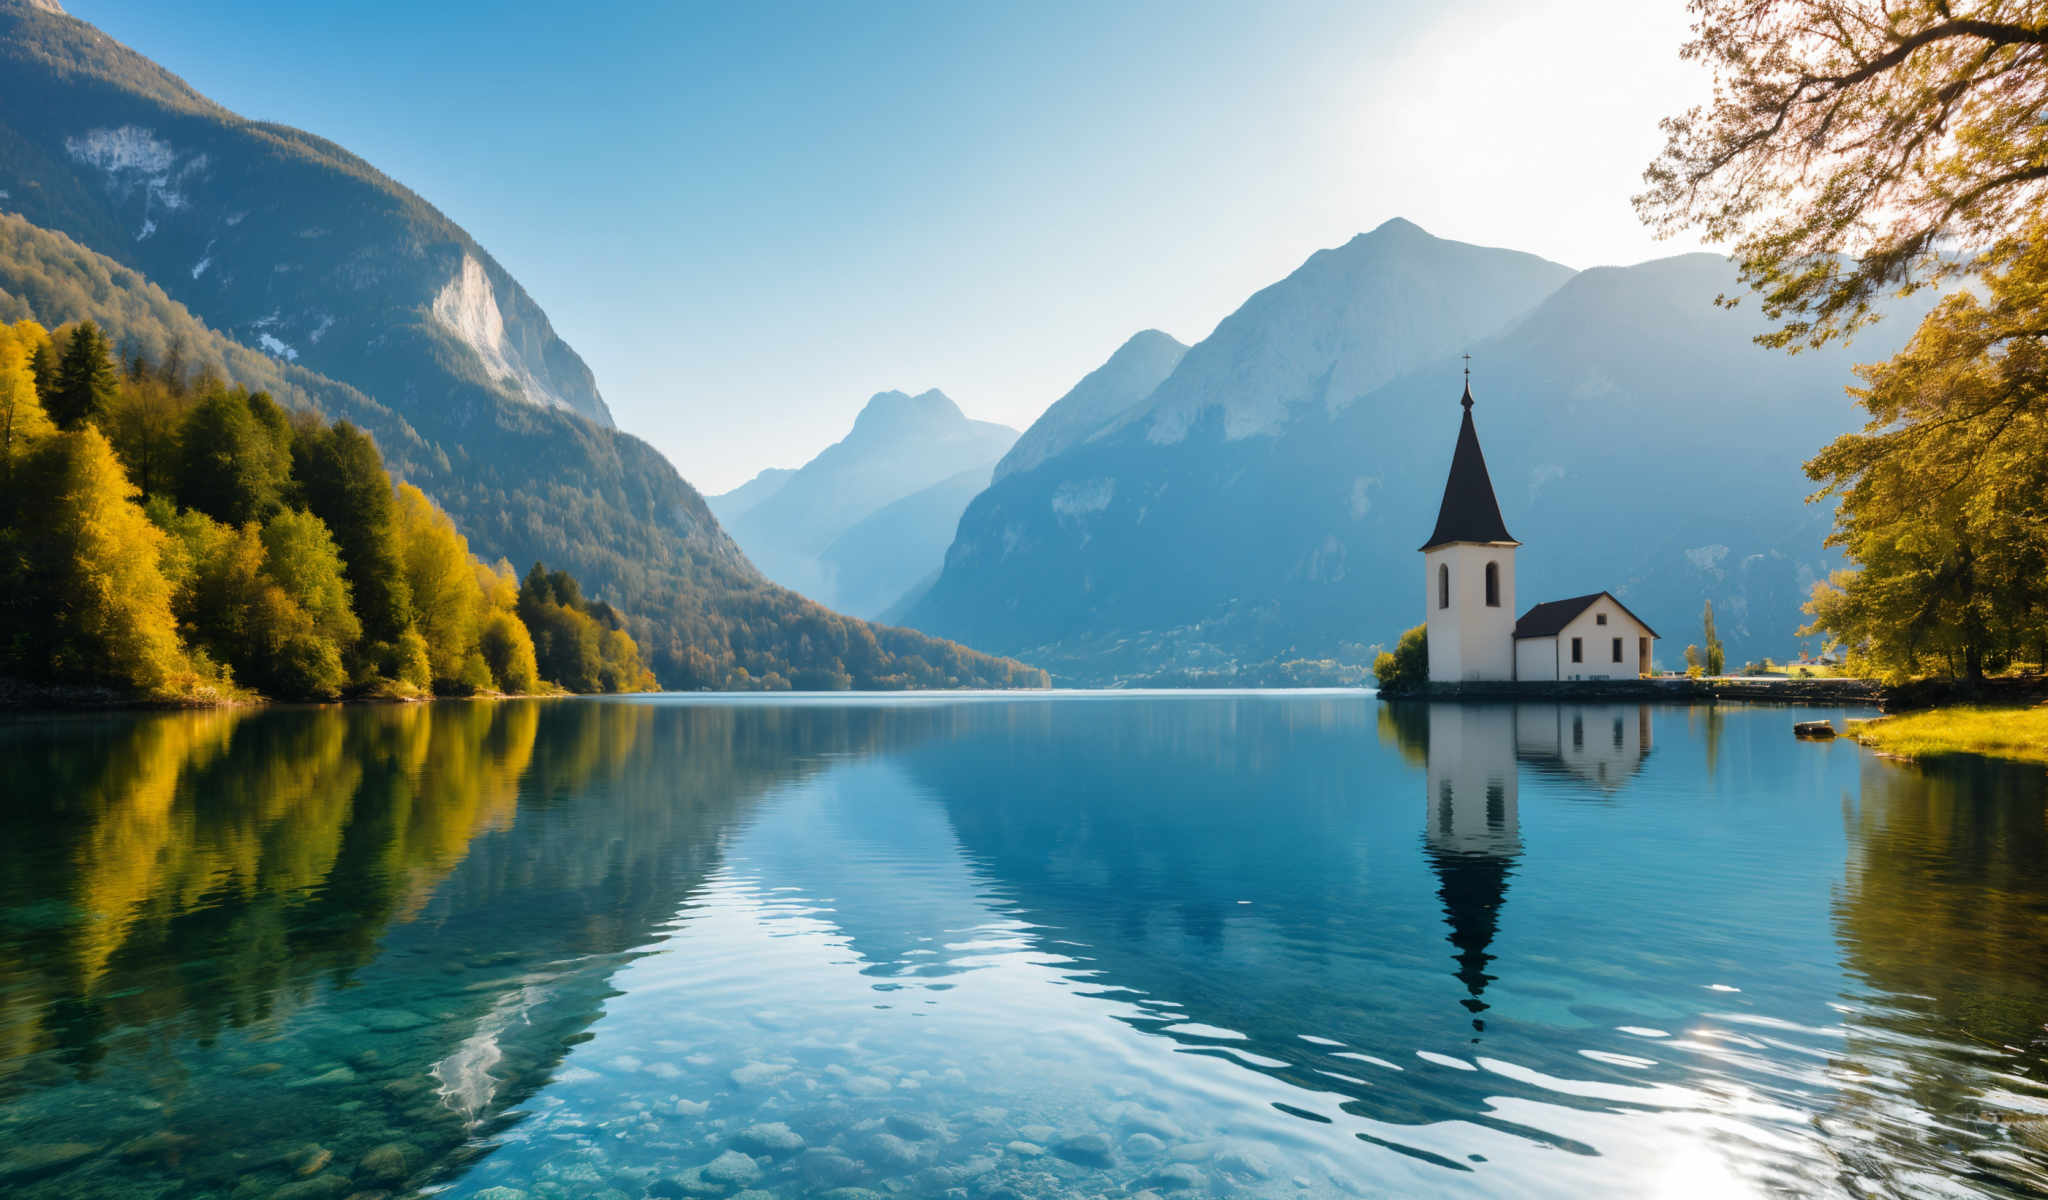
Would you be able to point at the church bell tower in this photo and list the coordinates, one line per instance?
(1469, 571)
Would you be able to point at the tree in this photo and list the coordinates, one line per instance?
(86, 379)
(23, 422)
(300, 557)
(1850, 149)
(1943, 496)
(1716, 659)
(237, 608)
(144, 422)
(234, 462)
(1406, 666)
(505, 643)
(342, 477)
(446, 598)
(90, 601)
(1695, 664)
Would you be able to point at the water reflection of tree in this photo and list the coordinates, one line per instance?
(202, 868)
(186, 875)
(1943, 911)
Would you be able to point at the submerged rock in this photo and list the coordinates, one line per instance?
(1176, 1177)
(320, 1187)
(37, 1157)
(892, 1150)
(337, 1075)
(732, 1167)
(390, 1020)
(827, 1168)
(1087, 1149)
(774, 1137)
(916, 1126)
(1143, 1145)
(390, 1162)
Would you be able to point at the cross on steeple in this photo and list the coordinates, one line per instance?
(1467, 401)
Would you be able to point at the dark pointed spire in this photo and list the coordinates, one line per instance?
(1469, 512)
(1472, 888)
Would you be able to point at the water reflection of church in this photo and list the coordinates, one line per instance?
(1472, 834)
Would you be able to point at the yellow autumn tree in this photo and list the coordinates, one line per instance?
(23, 420)
(505, 642)
(94, 604)
(447, 601)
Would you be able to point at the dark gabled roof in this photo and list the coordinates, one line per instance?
(1549, 618)
(1469, 512)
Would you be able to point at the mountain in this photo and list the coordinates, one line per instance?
(1268, 501)
(190, 231)
(728, 505)
(1344, 322)
(900, 444)
(1097, 402)
(880, 559)
(273, 236)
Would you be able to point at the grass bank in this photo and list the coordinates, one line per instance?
(2014, 733)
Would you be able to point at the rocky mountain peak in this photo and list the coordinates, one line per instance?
(895, 412)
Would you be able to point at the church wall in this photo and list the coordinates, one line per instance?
(1597, 641)
(1470, 640)
(1536, 658)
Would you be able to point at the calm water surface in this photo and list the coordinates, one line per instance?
(1245, 945)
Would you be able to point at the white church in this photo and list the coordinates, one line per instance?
(1470, 580)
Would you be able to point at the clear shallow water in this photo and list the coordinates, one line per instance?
(1259, 945)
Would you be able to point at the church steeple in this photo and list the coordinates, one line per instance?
(1469, 512)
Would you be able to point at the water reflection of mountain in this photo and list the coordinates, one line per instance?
(232, 931)
(1220, 859)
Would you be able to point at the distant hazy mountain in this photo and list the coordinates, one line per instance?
(728, 505)
(148, 207)
(1096, 403)
(899, 445)
(1344, 322)
(877, 562)
(1268, 500)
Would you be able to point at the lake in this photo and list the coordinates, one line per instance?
(1281, 944)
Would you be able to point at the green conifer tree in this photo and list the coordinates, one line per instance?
(86, 380)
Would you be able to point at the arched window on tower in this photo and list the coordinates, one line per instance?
(1443, 585)
(1493, 585)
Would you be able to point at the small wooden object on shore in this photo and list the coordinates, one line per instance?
(1813, 729)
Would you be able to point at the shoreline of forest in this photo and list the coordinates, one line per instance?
(19, 699)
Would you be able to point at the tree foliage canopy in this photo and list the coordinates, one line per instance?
(1853, 149)
(1944, 494)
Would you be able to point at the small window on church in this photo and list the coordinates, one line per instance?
(1493, 585)
(1617, 649)
(1578, 650)
(1443, 585)
(1600, 618)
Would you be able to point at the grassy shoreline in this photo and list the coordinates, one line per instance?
(2019, 734)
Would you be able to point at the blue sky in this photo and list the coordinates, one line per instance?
(747, 219)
